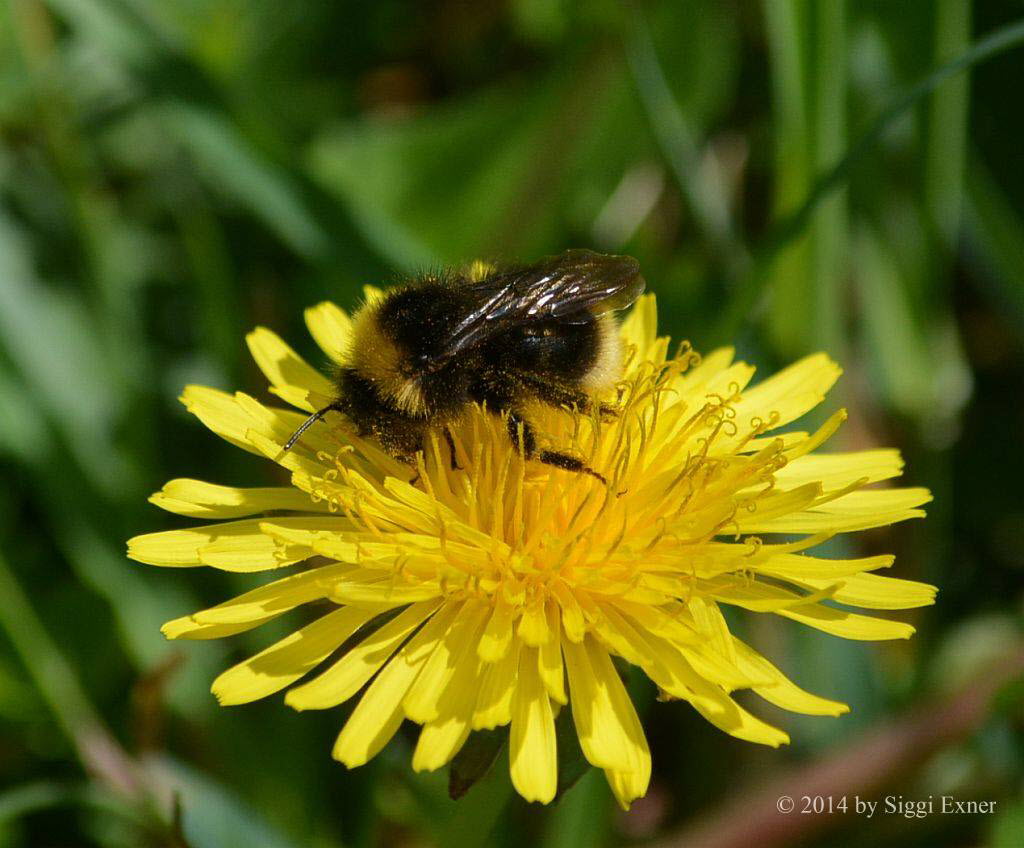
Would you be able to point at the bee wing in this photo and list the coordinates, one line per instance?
(554, 288)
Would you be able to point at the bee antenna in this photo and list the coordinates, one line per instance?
(309, 422)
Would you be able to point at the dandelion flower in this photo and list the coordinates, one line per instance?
(498, 593)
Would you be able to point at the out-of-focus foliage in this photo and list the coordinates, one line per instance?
(172, 174)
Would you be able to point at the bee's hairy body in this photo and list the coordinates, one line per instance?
(422, 353)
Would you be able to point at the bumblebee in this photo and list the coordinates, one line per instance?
(500, 338)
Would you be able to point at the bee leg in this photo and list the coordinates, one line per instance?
(569, 463)
(517, 424)
(451, 447)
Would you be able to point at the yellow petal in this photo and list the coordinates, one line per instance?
(849, 625)
(709, 366)
(758, 596)
(777, 503)
(673, 673)
(869, 502)
(876, 592)
(239, 418)
(187, 627)
(549, 660)
(729, 716)
(286, 661)
(383, 588)
(794, 450)
(253, 608)
(284, 368)
(232, 546)
(441, 739)
(781, 691)
(276, 597)
(573, 622)
(640, 326)
(710, 622)
(720, 670)
(198, 499)
(370, 728)
(220, 413)
(379, 712)
(670, 622)
(627, 786)
(789, 393)
(720, 384)
(533, 625)
(497, 683)
(588, 714)
(276, 426)
(838, 470)
(610, 628)
(668, 664)
(348, 675)
(608, 729)
(456, 647)
(800, 567)
(858, 510)
(497, 636)
(331, 328)
(533, 758)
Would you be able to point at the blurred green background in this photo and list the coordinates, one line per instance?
(174, 173)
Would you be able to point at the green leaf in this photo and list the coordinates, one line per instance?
(947, 125)
(1008, 827)
(699, 176)
(808, 49)
(22, 427)
(917, 368)
(793, 225)
(996, 233)
(572, 765)
(122, 35)
(70, 380)
(18, 801)
(213, 816)
(899, 355)
(1009, 700)
(474, 760)
(464, 822)
(581, 818)
(492, 175)
(231, 165)
(397, 179)
(139, 604)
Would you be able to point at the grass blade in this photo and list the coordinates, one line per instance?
(790, 227)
